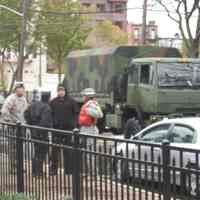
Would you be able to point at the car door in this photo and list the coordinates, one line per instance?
(150, 153)
(182, 136)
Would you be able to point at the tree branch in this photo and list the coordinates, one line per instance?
(198, 25)
(195, 5)
(168, 11)
(180, 24)
(187, 18)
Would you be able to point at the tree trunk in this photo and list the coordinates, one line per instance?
(59, 72)
(195, 49)
(2, 72)
(12, 82)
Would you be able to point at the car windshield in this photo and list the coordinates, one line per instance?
(179, 74)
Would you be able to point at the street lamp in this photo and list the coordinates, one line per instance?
(12, 10)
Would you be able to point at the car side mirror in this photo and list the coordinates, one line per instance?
(135, 138)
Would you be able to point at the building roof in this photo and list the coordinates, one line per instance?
(166, 60)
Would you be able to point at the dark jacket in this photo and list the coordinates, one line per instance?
(132, 127)
(65, 113)
(39, 114)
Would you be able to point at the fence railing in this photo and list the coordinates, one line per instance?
(52, 164)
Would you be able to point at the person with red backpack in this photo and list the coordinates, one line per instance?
(89, 115)
(90, 112)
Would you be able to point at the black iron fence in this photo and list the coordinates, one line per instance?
(51, 164)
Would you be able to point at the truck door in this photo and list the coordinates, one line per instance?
(133, 80)
(146, 89)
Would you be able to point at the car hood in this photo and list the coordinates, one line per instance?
(188, 146)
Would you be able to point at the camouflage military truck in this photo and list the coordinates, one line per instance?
(117, 75)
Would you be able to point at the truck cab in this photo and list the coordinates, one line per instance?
(161, 86)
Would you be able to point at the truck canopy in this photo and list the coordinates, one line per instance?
(165, 60)
(102, 68)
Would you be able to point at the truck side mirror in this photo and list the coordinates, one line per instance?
(130, 68)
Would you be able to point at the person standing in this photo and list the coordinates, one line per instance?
(90, 112)
(39, 114)
(15, 105)
(88, 117)
(65, 112)
(131, 128)
(36, 96)
(13, 112)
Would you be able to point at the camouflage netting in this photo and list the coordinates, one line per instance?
(102, 69)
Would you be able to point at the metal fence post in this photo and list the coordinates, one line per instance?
(76, 178)
(19, 158)
(166, 170)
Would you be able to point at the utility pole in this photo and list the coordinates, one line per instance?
(144, 22)
(23, 37)
(40, 66)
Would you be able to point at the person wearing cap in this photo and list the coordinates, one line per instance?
(88, 117)
(39, 114)
(36, 96)
(65, 116)
(13, 112)
(15, 105)
(90, 112)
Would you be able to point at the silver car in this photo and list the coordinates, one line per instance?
(145, 148)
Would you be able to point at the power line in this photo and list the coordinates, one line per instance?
(50, 12)
(93, 12)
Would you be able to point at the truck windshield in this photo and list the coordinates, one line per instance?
(179, 74)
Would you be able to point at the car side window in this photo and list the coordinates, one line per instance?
(156, 134)
(182, 134)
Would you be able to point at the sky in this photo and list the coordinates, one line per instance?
(167, 27)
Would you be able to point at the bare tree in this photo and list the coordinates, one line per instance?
(186, 14)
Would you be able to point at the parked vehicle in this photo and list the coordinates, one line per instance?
(128, 81)
(183, 135)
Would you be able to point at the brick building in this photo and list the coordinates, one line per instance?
(135, 33)
(118, 18)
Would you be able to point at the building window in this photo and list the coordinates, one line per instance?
(86, 5)
(136, 33)
(101, 7)
(153, 34)
(120, 8)
(119, 24)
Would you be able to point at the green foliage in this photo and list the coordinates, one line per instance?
(10, 30)
(16, 197)
(61, 34)
(9, 26)
(106, 34)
